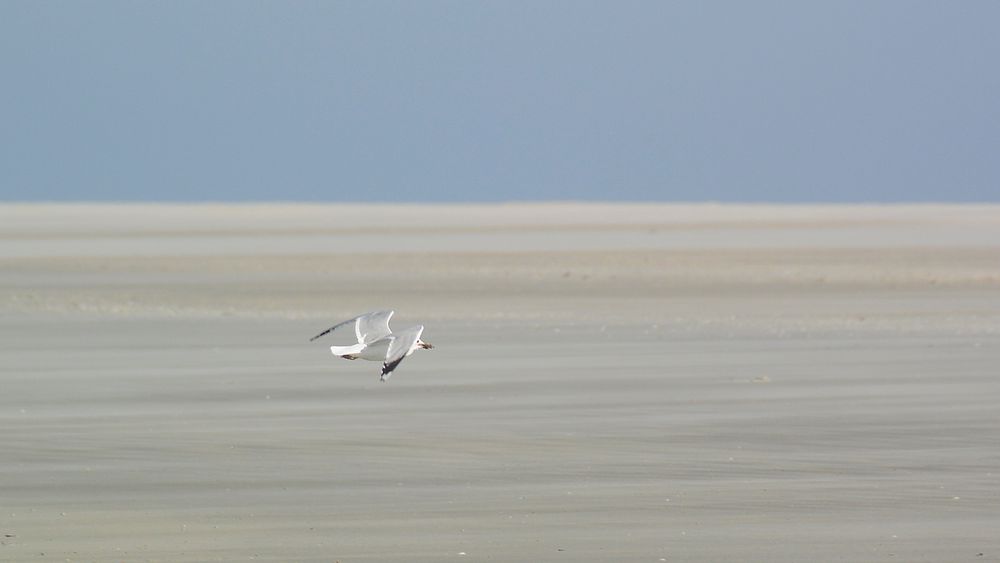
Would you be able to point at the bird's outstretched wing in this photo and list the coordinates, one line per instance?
(337, 326)
(400, 347)
(374, 326)
(374, 323)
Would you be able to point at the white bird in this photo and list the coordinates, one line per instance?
(376, 341)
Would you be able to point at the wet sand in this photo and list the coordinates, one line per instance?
(609, 383)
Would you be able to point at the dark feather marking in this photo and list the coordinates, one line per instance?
(332, 328)
(389, 366)
(327, 331)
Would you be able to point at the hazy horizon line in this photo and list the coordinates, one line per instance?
(915, 202)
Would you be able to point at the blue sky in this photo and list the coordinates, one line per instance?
(497, 101)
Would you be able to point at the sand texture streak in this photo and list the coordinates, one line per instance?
(609, 383)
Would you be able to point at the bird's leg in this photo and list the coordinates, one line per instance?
(349, 357)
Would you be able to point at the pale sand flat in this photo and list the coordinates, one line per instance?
(610, 383)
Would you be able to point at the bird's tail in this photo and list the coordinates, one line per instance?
(351, 350)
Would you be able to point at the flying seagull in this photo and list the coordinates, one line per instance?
(376, 341)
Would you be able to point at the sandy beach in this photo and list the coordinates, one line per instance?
(610, 382)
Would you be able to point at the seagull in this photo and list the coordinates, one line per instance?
(376, 341)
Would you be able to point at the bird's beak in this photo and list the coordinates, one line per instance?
(426, 345)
